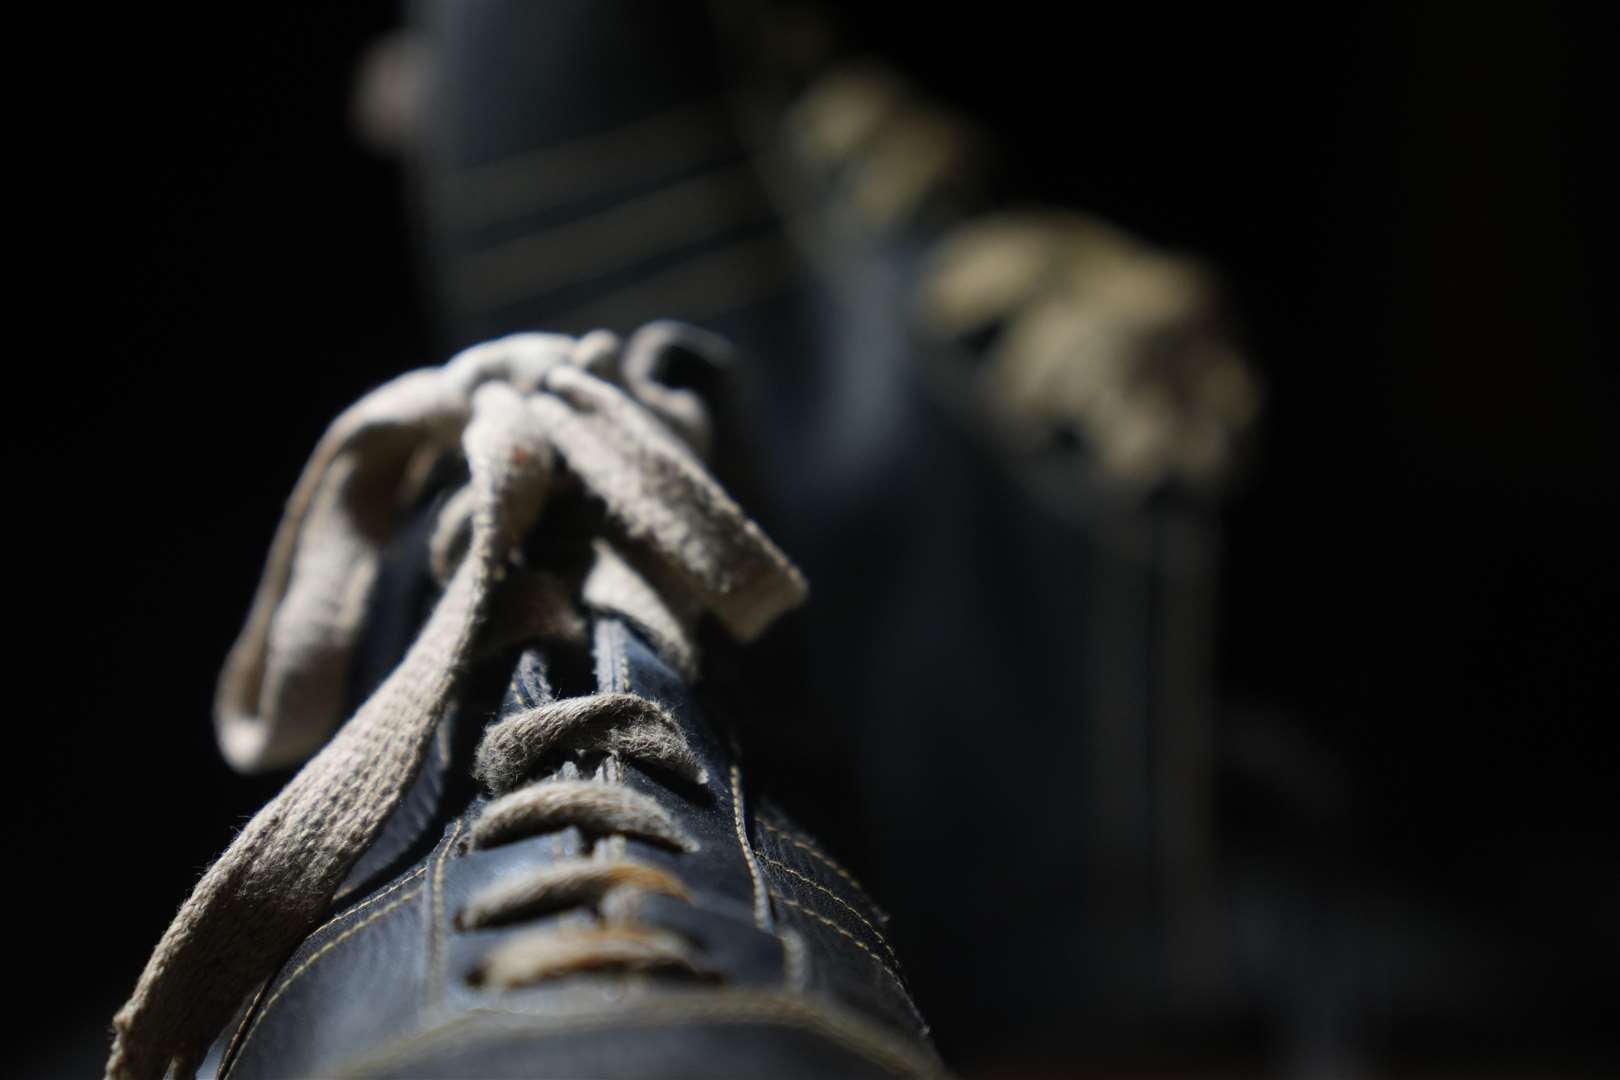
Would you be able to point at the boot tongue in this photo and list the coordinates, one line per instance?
(401, 600)
(404, 593)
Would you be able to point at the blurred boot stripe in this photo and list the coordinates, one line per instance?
(686, 213)
(710, 285)
(667, 144)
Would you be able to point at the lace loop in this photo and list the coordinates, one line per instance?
(597, 808)
(565, 884)
(624, 724)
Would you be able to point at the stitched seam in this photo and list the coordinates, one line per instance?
(307, 964)
(875, 1045)
(436, 914)
(865, 948)
(228, 1059)
(761, 913)
(251, 1015)
(818, 854)
(718, 200)
(814, 884)
(369, 901)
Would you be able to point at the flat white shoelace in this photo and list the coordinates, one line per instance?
(519, 408)
(628, 727)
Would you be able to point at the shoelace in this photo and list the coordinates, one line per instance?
(519, 409)
(1100, 333)
(628, 727)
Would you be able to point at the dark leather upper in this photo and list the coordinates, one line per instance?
(803, 980)
(961, 592)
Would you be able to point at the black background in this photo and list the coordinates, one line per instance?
(1420, 574)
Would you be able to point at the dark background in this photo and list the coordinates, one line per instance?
(1420, 575)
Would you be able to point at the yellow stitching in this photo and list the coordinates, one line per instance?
(228, 1059)
(370, 901)
(863, 946)
(760, 916)
(436, 947)
(893, 974)
(305, 966)
(815, 851)
(814, 884)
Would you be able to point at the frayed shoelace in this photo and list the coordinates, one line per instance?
(519, 410)
(628, 727)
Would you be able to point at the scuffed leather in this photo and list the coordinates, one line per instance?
(803, 982)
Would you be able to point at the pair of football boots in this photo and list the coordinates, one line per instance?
(502, 625)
